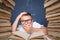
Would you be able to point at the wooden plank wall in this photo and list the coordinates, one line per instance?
(53, 17)
(6, 6)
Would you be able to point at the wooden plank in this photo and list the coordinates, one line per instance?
(4, 17)
(4, 21)
(53, 18)
(56, 34)
(8, 4)
(50, 3)
(5, 24)
(53, 11)
(54, 26)
(2, 12)
(54, 29)
(5, 11)
(11, 2)
(5, 29)
(7, 34)
(4, 7)
(57, 5)
(53, 15)
(55, 21)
